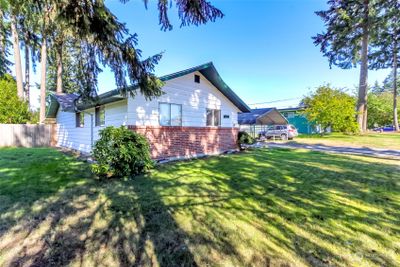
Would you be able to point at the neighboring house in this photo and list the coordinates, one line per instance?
(197, 115)
(296, 117)
(258, 119)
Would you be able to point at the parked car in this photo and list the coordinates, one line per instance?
(283, 132)
(387, 128)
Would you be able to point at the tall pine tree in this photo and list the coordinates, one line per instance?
(349, 27)
(4, 42)
(386, 47)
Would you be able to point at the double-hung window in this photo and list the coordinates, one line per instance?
(100, 116)
(213, 117)
(170, 114)
(79, 119)
(290, 115)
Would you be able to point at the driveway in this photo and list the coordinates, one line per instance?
(364, 151)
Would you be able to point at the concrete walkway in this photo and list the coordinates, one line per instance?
(364, 151)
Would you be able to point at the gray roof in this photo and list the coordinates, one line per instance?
(65, 101)
(292, 109)
(207, 70)
(261, 116)
(251, 117)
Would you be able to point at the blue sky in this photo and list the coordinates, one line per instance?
(262, 49)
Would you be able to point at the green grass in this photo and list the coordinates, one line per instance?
(259, 208)
(371, 140)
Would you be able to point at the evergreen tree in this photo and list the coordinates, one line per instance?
(386, 52)
(71, 72)
(349, 27)
(30, 43)
(4, 43)
(17, 53)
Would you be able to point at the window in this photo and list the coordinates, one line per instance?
(197, 78)
(213, 117)
(290, 115)
(170, 114)
(100, 116)
(79, 119)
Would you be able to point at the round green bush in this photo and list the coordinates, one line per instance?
(121, 152)
(245, 138)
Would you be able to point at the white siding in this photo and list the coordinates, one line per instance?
(79, 138)
(195, 98)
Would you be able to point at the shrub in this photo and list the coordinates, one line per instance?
(120, 152)
(245, 138)
(12, 109)
(332, 107)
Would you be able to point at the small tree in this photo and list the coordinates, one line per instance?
(12, 108)
(380, 109)
(120, 152)
(331, 107)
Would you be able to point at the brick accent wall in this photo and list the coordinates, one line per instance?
(177, 141)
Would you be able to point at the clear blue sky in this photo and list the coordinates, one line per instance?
(262, 49)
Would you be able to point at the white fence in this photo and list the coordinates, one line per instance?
(26, 135)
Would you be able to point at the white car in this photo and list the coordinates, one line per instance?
(283, 132)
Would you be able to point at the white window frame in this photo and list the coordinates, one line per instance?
(170, 113)
(81, 124)
(213, 117)
(291, 115)
(97, 112)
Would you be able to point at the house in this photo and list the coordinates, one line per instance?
(258, 119)
(296, 117)
(196, 115)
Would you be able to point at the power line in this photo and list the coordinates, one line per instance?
(275, 101)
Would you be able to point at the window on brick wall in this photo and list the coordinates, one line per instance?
(213, 117)
(170, 114)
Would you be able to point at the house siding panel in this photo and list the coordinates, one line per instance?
(195, 98)
(70, 136)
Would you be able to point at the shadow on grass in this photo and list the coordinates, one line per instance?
(54, 214)
(259, 208)
(324, 209)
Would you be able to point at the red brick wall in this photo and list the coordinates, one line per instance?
(177, 141)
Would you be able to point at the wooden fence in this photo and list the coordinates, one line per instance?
(27, 135)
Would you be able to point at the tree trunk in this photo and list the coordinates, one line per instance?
(363, 86)
(43, 60)
(59, 89)
(365, 116)
(17, 57)
(395, 119)
(27, 69)
(2, 45)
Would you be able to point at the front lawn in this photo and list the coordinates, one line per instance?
(259, 208)
(370, 140)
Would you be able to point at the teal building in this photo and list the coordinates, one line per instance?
(296, 117)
